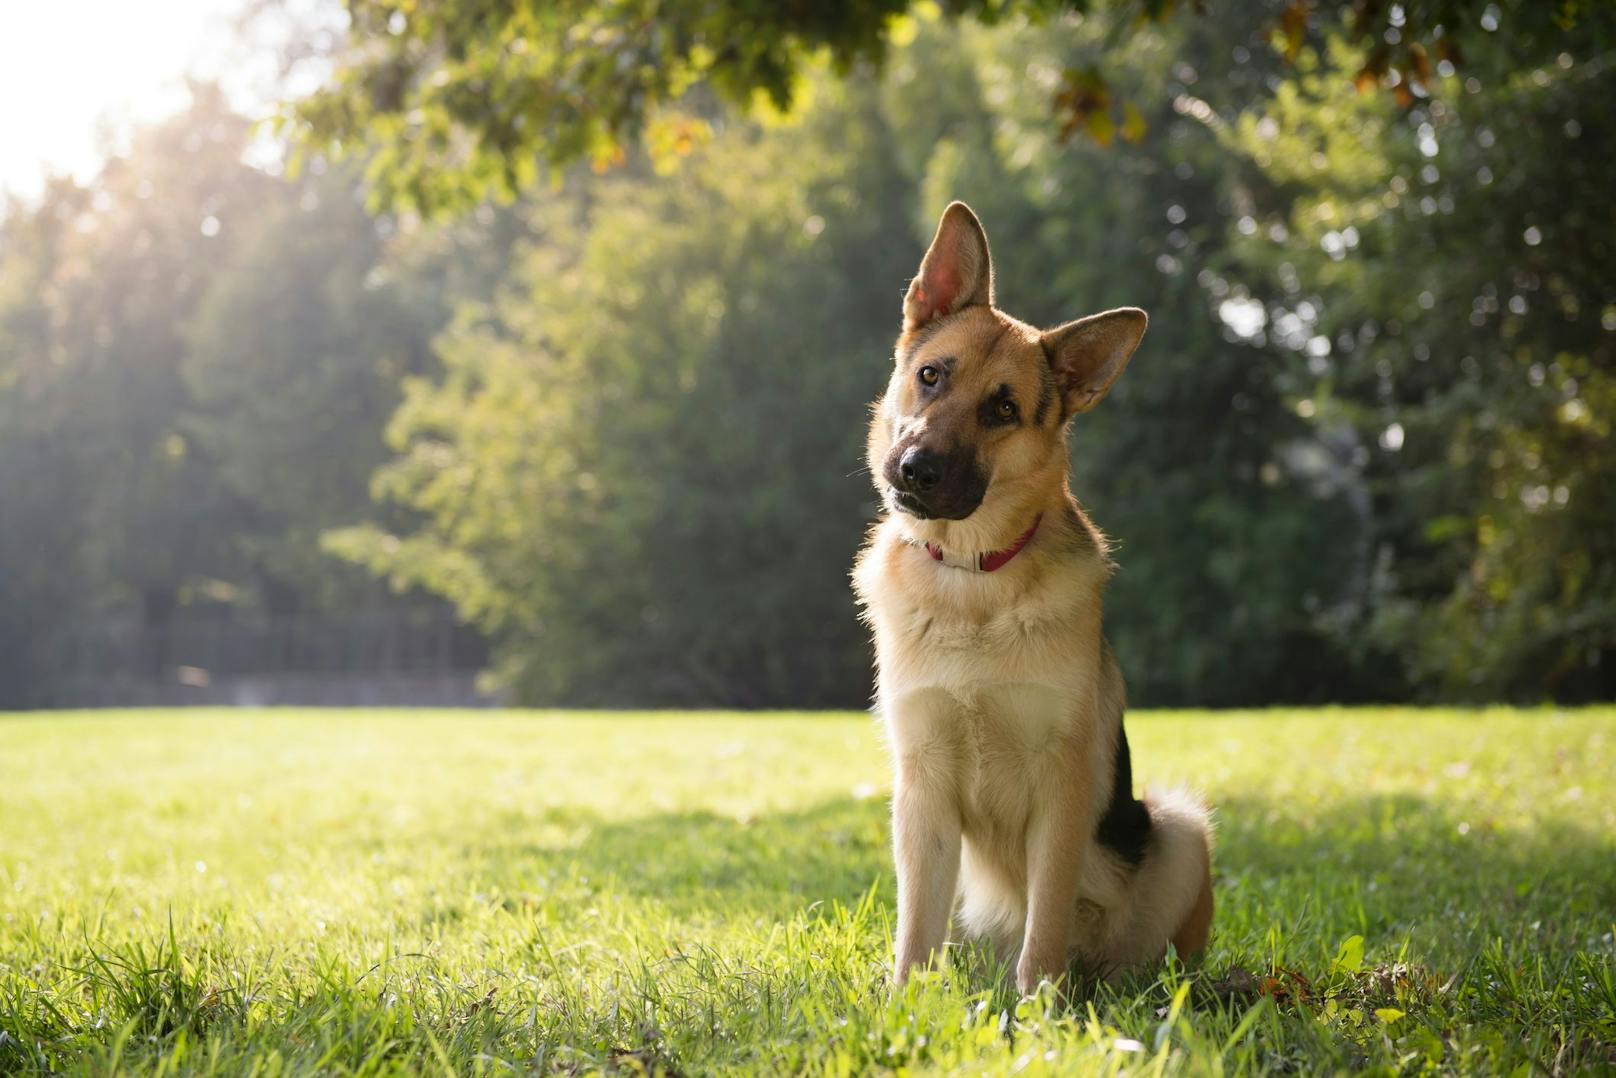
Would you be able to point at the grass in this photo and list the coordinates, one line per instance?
(368, 893)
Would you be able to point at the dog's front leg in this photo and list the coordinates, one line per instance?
(926, 847)
(1055, 844)
(925, 732)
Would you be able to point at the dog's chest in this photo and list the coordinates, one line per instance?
(990, 688)
(965, 647)
(994, 747)
(1005, 732)
(947, 639)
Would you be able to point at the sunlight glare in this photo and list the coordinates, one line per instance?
(75, 75)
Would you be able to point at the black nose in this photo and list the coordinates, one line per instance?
(921, 469)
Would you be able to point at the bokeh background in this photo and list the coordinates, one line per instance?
(402, 352)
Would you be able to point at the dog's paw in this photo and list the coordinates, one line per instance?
(1043, 993)
(1031, 976)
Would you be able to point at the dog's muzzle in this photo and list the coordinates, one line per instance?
(930, 484)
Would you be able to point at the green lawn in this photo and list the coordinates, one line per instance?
(374, 892)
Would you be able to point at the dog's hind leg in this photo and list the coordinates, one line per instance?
(1169, 896)
(1191, 936)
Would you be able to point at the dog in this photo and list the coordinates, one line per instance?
(1013, 807)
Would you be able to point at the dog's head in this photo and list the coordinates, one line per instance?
(977, 408)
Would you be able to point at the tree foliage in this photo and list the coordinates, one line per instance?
(1364, 452)
(196, 362)
(457, 101)
(630, 473)
(1451, 275)
(628, 466)
(641, 467)
(102, 491)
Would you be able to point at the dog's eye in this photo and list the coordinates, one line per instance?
(929, 375)
(1006, 409)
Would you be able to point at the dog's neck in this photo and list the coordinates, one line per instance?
(988, 561)
(1007, 520)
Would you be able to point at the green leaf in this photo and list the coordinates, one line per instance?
(1349, 959)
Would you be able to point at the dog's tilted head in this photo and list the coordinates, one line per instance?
(978, 403)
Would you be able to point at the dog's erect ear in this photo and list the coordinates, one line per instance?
(956, 272)
(1089, 354)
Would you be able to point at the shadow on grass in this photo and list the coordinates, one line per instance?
(1383, 866)
(700, 863)
(1390, 866)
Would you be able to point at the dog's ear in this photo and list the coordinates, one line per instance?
(956, 272)
(1089, 354)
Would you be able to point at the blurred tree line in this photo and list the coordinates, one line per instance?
(196, 360)
(1364, 452)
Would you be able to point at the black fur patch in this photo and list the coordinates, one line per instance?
(987, 413)
(1125, 827)
(1046, 397)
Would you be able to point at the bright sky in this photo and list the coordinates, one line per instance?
(75, 72)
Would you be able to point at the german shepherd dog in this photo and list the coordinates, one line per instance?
(1013, 807)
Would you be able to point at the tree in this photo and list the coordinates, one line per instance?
(1449, 276)
(108, 496)
(292, 365)
(36, 483)
(196, 362)
(454, 102)
(638, 470)
(656, 367)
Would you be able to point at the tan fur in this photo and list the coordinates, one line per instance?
(1192, 935)
(1001, 701)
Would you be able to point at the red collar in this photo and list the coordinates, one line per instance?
(993, 559)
